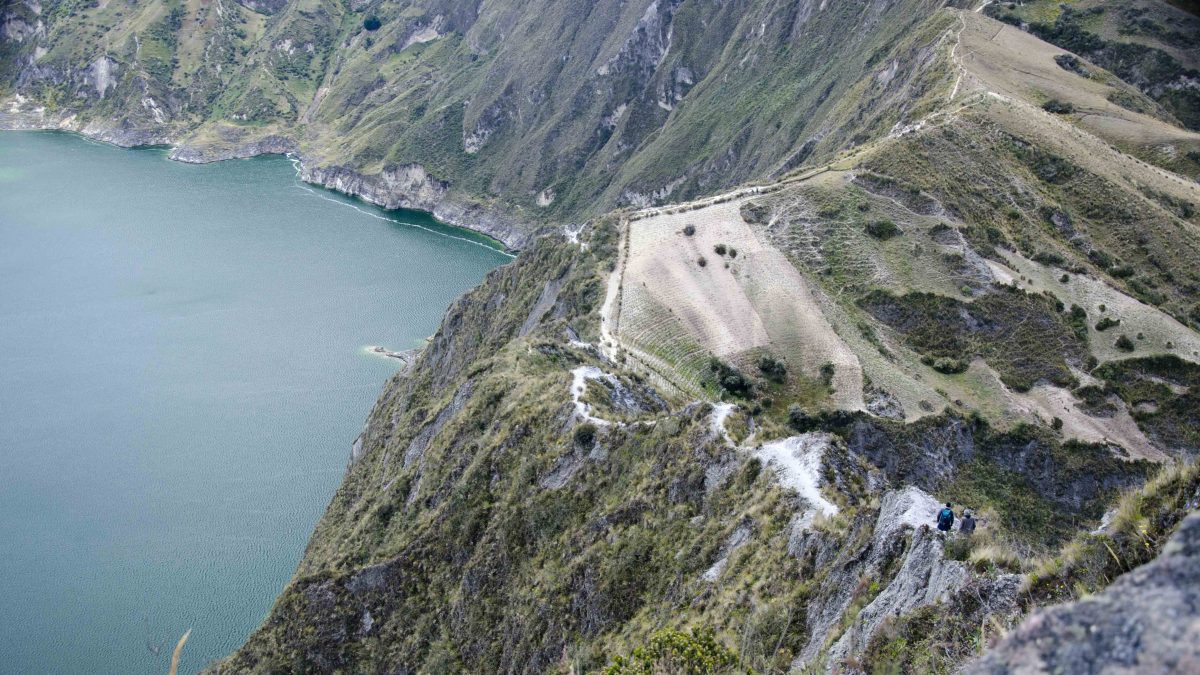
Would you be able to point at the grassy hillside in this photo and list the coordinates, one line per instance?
(568, 479)
(566, 110)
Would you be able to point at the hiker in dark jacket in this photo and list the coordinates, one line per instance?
(945, 518)
(968, 523)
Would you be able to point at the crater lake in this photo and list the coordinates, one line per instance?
(183, 370)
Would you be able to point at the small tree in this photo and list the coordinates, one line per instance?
(1124, 343)
(828, 370)
(372, 23)
(730, 379)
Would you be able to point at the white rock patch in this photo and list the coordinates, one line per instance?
(797, 462)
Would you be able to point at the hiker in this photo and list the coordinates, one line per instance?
(945, 518)
(968, 524)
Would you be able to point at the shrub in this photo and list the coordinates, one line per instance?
(798, 419)
(1064, 278)
(882, 229)
(732, 252)
(730, 379)
(372, 23)
(1107, 322)
(957, 548)
(1049, 258)
(1069, 62)
(701, 261)
(689, 230)
(773, 369)
(585, 435)
(946, 365)
(1124, 343)
(672, 651)
(1058, 107)
(719, 249)
(755, 213)
(827, 372)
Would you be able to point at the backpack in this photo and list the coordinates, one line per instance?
(945, 519)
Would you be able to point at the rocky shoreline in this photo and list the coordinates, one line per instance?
(408, 186)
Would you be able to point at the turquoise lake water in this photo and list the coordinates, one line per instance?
(182, 374)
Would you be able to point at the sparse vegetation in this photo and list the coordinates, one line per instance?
(1021, 335)
(1174, 419)
(1143, 522)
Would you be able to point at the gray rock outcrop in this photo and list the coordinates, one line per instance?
(1148, 621)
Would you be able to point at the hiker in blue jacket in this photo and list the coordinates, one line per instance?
(945, 518)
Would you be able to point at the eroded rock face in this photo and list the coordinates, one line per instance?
(269, 145)
(410, 186)
(923, 576)
(1148, 621)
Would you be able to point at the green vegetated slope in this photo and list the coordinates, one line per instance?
(497, 519)
(483, 529)
(563, 109)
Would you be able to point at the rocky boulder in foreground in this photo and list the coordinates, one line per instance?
(1148, 621)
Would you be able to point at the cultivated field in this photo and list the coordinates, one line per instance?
(676, 312)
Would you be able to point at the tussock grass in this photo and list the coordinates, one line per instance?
(1142, 522)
